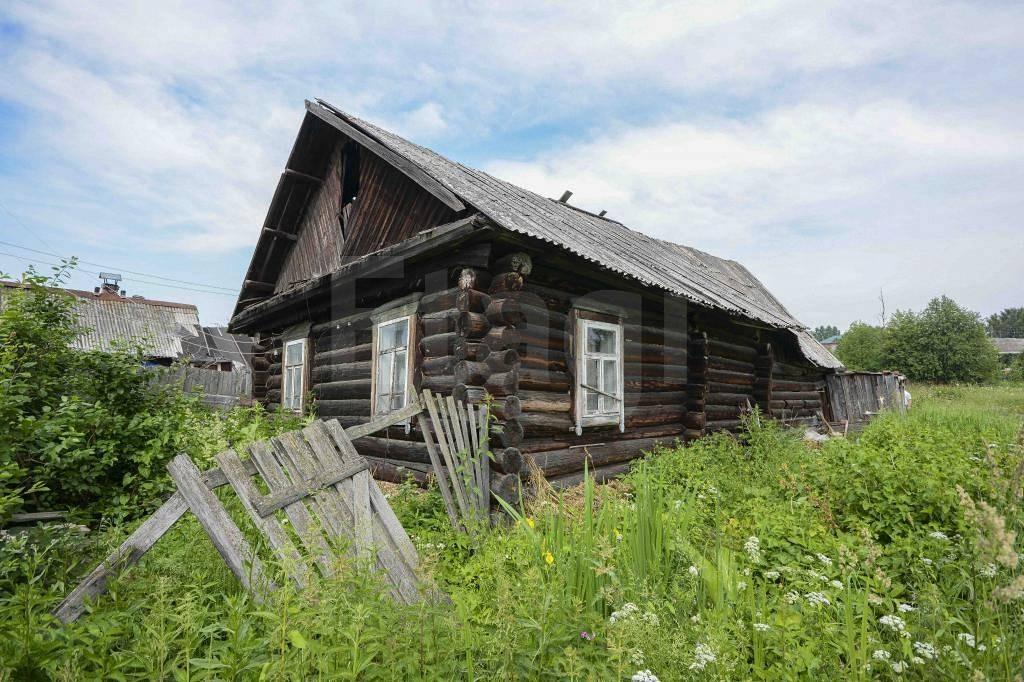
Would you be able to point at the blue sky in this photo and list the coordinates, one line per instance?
(836, 149)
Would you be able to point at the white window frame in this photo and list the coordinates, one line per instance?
(604, 418)
(287, 376)
(409, 350)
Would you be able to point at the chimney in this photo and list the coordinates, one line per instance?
(110, 282)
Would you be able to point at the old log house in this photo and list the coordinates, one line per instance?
(384, 268)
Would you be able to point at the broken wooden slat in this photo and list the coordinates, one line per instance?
(226, 536)
(249, 496)
(298, 462)
(381, 423)
(485, 464)
(298, 514)
(446, 451)
(266, 505)
(440, 476)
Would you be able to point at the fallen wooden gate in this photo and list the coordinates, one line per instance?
(315, 479)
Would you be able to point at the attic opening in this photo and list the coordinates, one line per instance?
(349, 171)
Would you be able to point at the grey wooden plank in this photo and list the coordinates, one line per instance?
(440, 475)
(247, 493)
(306, 527)
(446, 451)
(381, 423)
(127, 554)
(325, 450)
(485, 463)
(297, 459)
(226, 536)
(266, 505)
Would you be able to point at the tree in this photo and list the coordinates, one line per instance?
(1016, 370)
(862, 348)
(1009, 324)
(944, 342)
(825, 332)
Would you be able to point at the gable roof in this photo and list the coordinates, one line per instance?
(109, 318)
(686, 272)
(1008, 346)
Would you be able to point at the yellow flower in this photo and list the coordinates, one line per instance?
(529, 522)
(549, 557)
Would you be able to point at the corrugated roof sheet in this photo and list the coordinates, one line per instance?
(159, 326)
(1008, 346)
(687, 272)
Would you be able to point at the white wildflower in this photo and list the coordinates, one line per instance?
(741, 585)
(905, 608)
(824, 559)
(644, 676)
(702, 655)
(926, 561)
(938, 535)
(695, 618)
(636, 657)
(762, 627)
(817, 599)
(694, 571)
(917, 660)
(792, 597)
(881, 655)
(651, 618)
(874, 599)
(838, 584)
(925, 650)
(772, 575)
(967, 638)
(893, 622)
(817, 576)
(753, 548)
(899, 666)
(988, 571)
(627, 611)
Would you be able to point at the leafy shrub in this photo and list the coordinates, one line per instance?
(862, 348)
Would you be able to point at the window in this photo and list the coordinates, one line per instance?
(391, 371)
(294, 372)
(598, 374)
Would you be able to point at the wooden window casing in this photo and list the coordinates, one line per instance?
(599, 394)
(393, 349)
(293, 375)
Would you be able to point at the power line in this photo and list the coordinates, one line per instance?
(140, 281)
(130, 272)
(32, 232)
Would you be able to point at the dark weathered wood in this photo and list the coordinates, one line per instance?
(440, 323)
(508, 460)
(226, 536)
(503, 383)
(439, 384)
(544, 401)
(501, 361)
(438, 344)
(568, 460)
(505, 312)
(388, 448)
(348, 407)
(599, 475)
(508, 407)
(537, 380)
(472, 373)
(469, 394)
(509, 433)
(500, 338)
(444, 364)
(466, 349)
(536, 423)
(506, 281)
(472, 325)
(341, 356)
(342, 372)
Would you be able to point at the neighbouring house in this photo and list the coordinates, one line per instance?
(831, 342)
(168, 333)
(384, 268)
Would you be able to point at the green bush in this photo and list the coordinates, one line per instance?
(861, 348)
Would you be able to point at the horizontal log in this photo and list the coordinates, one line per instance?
(465, 349)
(396, 472)
(509, 407)
(334, 390)
(538, 380)
(359, 320)
(342, 338)
(500, 338)
(537, 314)
(567, 460)
(539, 423)
(598, 475)
(440, 300)
(651, 353)
(507, 487)
(715, 412)
(274, 369)
(469, 394)
(443, 384)
(724, 349)
(273, 395)
(351, 370)
(590, 435)
(508, 433)
(506, 281)
(472, 301)
(471, 373)
(542, 338)
(274, 381)
(387, 448)
(716, 387)
(674, 338)
(440, 322)
(656, 398)
(796, 395)
(723, 425)
(352, 407)
(694, 420)
(544, 359)
(544, 401)
(503, 383)
(472, 325)
(438, 344)
(655, 370)
(505, 312)
(260, 363)
(435, 366)
(645, 384)
(501, 361)
(717, 362)
(340, 356)
(654, 415)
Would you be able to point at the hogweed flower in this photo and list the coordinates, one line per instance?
(938, 535)
(880, 655)
(925, 650)
(772, 575)
(905, 608)
(899, 666)
(702, 655)
(824, 559)
(817, 599)
(753, 548)
(644, 676)
(838, 584)
(894, 623)
(762, 627)
(693, 570)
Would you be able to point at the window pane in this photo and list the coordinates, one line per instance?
(600, 340)
(397, 401)
(392, 335)
(592, 402)
(294, 354)
(592, 376)
(398, 382)
(610, 383)
(384, 373)
(382, 403)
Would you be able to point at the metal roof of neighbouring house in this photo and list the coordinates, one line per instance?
(1008, 346)
(684, 271)
(109, 318)
(216, 344)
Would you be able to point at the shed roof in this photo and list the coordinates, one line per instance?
(684, 271)
(1008, 346)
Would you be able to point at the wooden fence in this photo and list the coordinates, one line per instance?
(220, 389)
